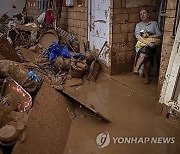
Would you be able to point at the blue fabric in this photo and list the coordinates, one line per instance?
(79, 55)
(32, 75)
(65, 52)
(55, 50)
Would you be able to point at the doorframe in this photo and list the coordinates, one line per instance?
(98, 41)
(172, 76)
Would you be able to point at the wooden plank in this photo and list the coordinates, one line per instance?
(94, 95)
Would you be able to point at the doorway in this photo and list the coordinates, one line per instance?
(99, 25)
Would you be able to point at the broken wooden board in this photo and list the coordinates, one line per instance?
(7, 50)
(91, 95)
(27, 27)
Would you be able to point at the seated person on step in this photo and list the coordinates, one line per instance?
(148, 39)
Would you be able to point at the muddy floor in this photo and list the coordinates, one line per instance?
(132, 114)
(48, 124)
(58, 124)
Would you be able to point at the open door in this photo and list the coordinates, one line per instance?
(98, 25)
(170, 94)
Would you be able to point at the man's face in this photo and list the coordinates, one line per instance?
(144, 15)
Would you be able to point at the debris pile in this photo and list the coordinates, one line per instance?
(31, 54)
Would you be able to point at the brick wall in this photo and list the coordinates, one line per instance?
(168, 40)
(31, 8)
(74, 19)
(123, 40)
(32, 11)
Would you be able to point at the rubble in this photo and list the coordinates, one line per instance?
(32, 60)
(54, 127)
(7, 50)
(48, 37)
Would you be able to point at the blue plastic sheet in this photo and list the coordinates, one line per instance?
(55, 50)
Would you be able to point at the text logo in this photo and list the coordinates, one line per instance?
(103, 140)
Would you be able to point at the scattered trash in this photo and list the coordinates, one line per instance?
(7, 50)
(8, 135)
(31, 54)
(19, 100)
(33, 76)
(55, 50)
(33, 83)
(48, 37)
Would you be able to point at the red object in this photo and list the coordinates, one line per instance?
(20, 96)
(49, 17)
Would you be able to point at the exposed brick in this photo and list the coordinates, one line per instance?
(134, 17)
(70, 22)
(166, 51)
(69, 28)
(169, 25)
(85, 33)
(74, 29)
(167, 39)
(117, 4)
(125, 46)
(129, 27)
(120, 11)
(154, 16)
(81, 16)
(120, 18)
(130, 56)
(81, 9)
(84, 24)
(85, 16)
(170, 13)
(121, 57)
(86, 3)
(133, 10)
(116, 28)
(171, 4)
(131, 37)
(73, 15)
(120, 37)
(81, 31)
(77, 23)
(123, 3)
(78, 15)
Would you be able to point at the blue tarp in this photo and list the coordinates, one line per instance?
(55, 50)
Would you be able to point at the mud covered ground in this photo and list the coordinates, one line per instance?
(51, 129)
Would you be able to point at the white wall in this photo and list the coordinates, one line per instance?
(6, 6)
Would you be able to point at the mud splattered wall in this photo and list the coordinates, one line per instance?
(74, 19)
(125, 16)
(168, 40)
